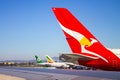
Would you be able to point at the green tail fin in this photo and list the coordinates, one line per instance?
(38, 60)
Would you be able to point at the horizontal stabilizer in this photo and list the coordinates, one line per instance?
(75, 57)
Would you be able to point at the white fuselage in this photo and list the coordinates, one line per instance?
(56, 64)
(116, 52)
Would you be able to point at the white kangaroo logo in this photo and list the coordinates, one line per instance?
(79, 37)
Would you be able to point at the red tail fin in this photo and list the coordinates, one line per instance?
(72, 29)
(78, 37)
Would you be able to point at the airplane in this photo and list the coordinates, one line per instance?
(41, 63)
(57, 65)
(87, 50)
(50, 60)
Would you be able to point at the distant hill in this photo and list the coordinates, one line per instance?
(20, 61)
(54, 58)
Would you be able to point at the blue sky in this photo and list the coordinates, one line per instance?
(29, 27)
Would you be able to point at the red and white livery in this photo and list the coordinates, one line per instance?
(82, 43)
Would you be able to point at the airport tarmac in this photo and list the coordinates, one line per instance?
(59, 74)
(6, 77)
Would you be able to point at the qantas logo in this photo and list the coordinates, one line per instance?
(84, 42)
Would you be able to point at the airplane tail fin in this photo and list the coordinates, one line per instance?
(80, 40)
(49, 59)
(76, 34)
(38, 60)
